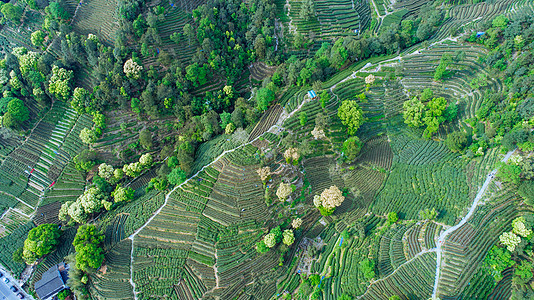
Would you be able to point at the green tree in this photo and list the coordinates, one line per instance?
(303, 118)
(41, 240)
(428, 214)
(413, 112)
(392, 217)
(37, 38)
(526, 190)
(176, 176)
(456, 141)
(145, 138)
(16, 114)
(264, 97)
(325, 98)
(64, 294)
(288, 237)
(351, 148)
(351, 115)
(189, 32)
(12, 12)
(500, 21)
(17, 256)
(89, 254)
(57, 11)
(509, 173)
(261, 247)
(367, 267)
(394, 297)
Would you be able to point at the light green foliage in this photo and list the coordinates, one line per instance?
(121, 194)
(509, 173)
(88, 136)
(519, 228)
(510, 240)
(367, 267)
(41, 240)
(264, 97)
(394, 297)
(338, 54)
(288, 237)
(132, 69)
(80, 100)
(176, 176)
(14, 80)
(37, 38)
(12, 12)
(351, 148)
(413, 112)
(433, 116)
(118, 174)
(303, 118)
(89, 253)
(498, 259)
(500, 21)
(351, 115)
(428, 214)
(60, 83)
(392, 217)
(28, 62)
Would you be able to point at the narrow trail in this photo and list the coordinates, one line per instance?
(444, 234)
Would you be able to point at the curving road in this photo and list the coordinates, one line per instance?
(445, 233)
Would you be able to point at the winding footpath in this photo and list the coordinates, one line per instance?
(444, 234)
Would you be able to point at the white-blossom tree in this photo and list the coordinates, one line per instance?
(296, 223)
(132, 69)
(318, 133)
(264, 173)
(269, 240)
(146, 160)
(519, 228)
(289, 237)
(284, 190)
(105, 171)
(88, 136)
(510, 240)
(370, 79)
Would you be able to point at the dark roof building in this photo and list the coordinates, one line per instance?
(54, 280)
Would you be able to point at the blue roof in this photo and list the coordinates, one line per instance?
(312, 94)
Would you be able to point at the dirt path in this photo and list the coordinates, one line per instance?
(445, 233)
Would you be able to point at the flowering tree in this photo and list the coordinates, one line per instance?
(146, 160)
(132, 69)
(60, 82)
(519, 227)
(370, 79)
(332, 197)
(105, 171)
(132, 169)
(121, 194)
(284, 190)
(264, 173)
(269, 240)
(292, 154)
(289, 237)
(296, 223)
(88, 136)
(318, 133)
(510, 240)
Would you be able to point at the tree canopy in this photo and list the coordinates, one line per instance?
(41, 240)
(351, 115)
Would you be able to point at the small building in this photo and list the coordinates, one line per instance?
(480, 33)
(53, 281)
(312, 95)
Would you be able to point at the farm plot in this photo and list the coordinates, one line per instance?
(10, 244)
(424, 175)
(98, 17)
(36, 164)
(112, 280)
(268, 119)
(465, 249)
(413, 280)
(68, 187)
